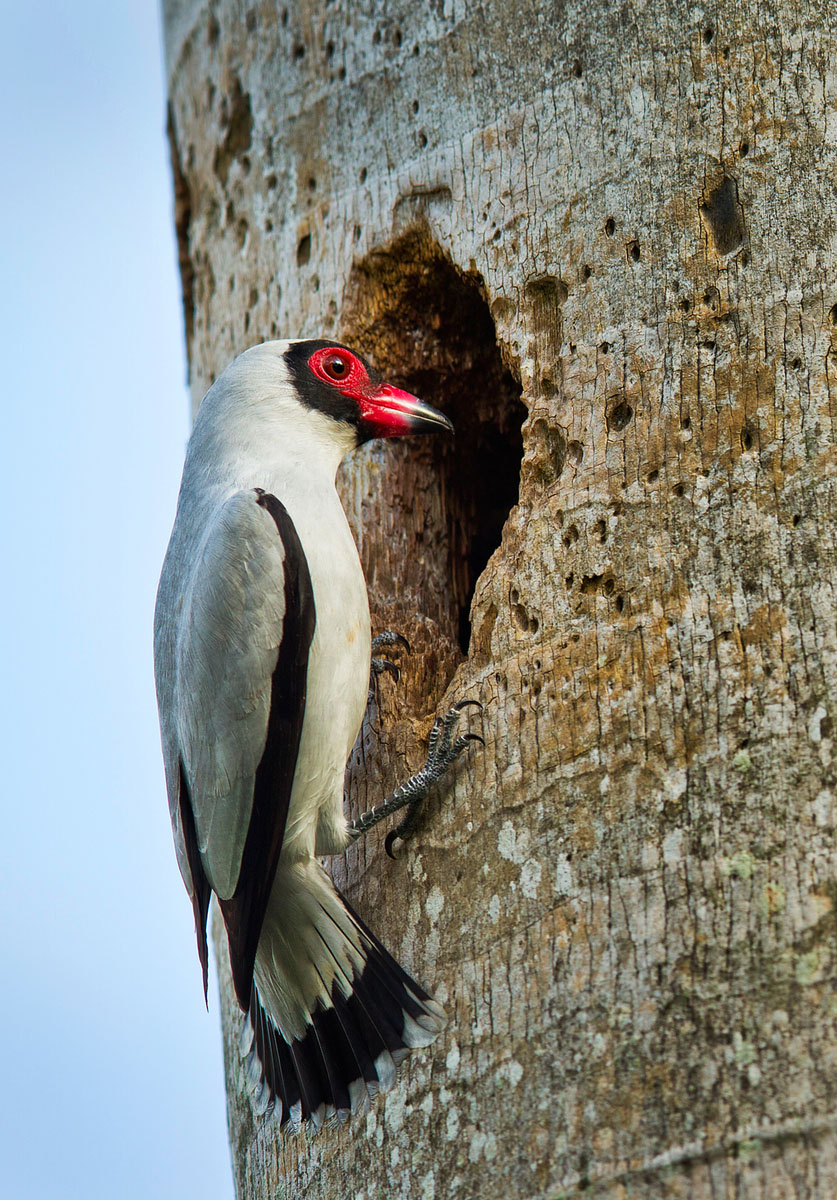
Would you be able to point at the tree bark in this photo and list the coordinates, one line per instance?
(619, 222)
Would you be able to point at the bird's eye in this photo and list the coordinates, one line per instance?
(336, 367)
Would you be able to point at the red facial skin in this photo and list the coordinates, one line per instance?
(386, 411)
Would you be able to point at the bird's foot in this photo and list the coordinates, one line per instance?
(381, 666)
(442, 750)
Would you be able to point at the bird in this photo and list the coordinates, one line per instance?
(262, 652)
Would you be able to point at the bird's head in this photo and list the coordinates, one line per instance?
(334, 380)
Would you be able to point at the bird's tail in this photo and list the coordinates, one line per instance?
(332, 1014)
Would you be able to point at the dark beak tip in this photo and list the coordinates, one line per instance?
(431, 421)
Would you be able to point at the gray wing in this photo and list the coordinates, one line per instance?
(229, 634)
(240, 668)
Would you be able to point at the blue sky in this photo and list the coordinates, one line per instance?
(112, 1074)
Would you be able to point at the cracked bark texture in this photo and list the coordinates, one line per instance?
(627, 901)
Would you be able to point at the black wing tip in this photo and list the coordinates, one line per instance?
(200, 891)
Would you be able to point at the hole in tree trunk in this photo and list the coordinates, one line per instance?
(428, 328)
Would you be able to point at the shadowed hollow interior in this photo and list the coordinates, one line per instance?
(427, 327)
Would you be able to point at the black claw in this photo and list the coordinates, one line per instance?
(380, 666)
(460, 704)
(388, 638)
(383, 664)
(472, 737)
(388, 840)
(459, 745)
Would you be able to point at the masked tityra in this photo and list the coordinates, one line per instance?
(262, 658)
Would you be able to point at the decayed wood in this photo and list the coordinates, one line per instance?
(627, 901)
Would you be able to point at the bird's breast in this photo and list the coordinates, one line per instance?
(338, 674)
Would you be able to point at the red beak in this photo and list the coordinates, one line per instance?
(390, 412)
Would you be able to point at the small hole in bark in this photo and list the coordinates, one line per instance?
(746, 438)
(396, 39)
(422, 139)
(520, 617)
(679, 490)
(238, 133)
(590, 584)
(686, 423)
(744, 148)
(363, 174)
(604, 347)
(832, 316)
(546, 290)
(685, 305)
(632, 251)
(299, 51)
(303, 250)
(722, 214)
(797, 517)
(708, 35)
(427, 327)
(653, 476)
(577, 68)
(600, 529)
(575, 453)
(796, 364)
(586, 272)
(415, 106)
(620, 603)
(620, 417)
(610, 227)
(376, 37)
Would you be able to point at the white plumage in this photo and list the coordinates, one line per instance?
(262, 654)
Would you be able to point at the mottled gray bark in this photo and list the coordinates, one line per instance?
(628, 213)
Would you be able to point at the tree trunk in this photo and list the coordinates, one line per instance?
(619, 223)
